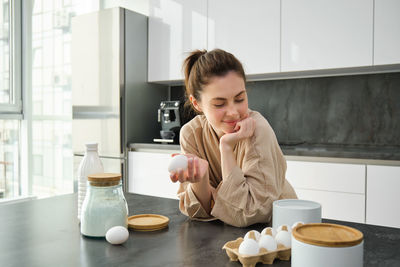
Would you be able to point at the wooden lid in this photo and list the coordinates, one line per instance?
(104, 179)
(327, 235)
(147, 222)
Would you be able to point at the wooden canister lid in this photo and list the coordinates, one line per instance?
(327, 235)
(104, 179)
(147, 222)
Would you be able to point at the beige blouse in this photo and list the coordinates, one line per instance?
(245, 196)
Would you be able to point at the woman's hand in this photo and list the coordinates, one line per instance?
(196, 172)
(243, 129)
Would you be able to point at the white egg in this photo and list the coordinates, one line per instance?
(284, 238)
(284, 227)
(249, 247)
(267, 242)
(266, 230)
(296, 224)
(253, 234)
(178, 162)
(117, 235)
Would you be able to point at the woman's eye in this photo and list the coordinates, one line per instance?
(218, 105)
(239, 100)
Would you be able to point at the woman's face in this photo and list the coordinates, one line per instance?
(223, 102)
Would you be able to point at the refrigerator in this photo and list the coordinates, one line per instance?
(112, 102)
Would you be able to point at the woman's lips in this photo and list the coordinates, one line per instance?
(231, 123)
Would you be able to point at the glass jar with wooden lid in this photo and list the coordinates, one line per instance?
(104, 205)
(328, 245)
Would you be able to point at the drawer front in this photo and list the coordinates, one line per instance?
(336, 177)
(148, 175)
(337, 206)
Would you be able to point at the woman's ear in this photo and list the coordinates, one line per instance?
(195, 103)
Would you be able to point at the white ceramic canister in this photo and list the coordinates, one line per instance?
(90, 164)
(327, 245)
(289, 211)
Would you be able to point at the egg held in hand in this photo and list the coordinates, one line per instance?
(249, 247)
(117, 235)
(178, 162)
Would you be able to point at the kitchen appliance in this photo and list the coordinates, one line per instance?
(112, 103)
(170, 119)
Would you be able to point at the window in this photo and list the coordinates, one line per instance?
(10, 98)
(47, 105)
(9, 158)
(5, 92)
(35, 137)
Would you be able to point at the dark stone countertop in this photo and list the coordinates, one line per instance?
(359, 153)
(45, 232)
(343, 151)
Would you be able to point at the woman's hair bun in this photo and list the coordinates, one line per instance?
(190, 60)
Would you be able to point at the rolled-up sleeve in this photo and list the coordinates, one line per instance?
(189, 205)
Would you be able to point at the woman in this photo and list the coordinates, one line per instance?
(236, 168)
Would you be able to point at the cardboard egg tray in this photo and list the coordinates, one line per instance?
(265, 257)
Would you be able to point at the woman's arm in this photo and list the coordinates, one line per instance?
(196, 174)
(202, 190)
(244, 129)
(246, 193)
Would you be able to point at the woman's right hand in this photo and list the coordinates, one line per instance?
(196, 172)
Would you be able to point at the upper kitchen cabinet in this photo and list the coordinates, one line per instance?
(96, 68)
(176, 27)
(324, 34)
(249, 30)
(387, 32)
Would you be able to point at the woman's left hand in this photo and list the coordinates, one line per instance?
(243, 129)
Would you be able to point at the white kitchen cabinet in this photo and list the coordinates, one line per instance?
(383, 195)
(148, 174)
(338, 187)
(324, 34)
(387, 32)
(248, 29)
(175, 28)
(336, 177)
(337, 205)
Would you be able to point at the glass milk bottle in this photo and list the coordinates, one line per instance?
(90, 164)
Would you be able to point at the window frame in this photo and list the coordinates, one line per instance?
(13, 110)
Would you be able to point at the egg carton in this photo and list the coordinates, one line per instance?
(264, 256)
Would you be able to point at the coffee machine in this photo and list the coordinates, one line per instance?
(170, 119)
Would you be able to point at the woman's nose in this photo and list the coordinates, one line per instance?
(232, 111)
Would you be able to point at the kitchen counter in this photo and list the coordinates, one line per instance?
(389, 153)
(389, 156)
(45, 232)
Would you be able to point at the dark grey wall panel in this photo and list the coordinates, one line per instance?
(361, 110)
(351, 110)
